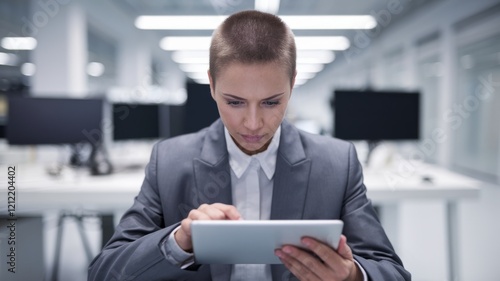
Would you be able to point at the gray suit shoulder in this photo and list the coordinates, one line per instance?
(322, 144)
(189, 143)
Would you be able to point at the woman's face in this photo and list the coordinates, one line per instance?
(252, 100)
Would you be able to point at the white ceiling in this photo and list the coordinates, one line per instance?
(12, 13)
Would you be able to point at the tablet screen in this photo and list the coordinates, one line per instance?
(254, 241)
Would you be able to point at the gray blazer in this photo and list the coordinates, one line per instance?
(316, 177)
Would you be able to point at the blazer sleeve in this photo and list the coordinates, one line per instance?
(134, 252)
(365, 235)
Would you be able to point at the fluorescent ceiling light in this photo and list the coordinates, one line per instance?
(185, 43)
(194, 67)
(330, 22)
(314, 68)
(294, 22)
(315, 56)
(179, 22)
(305, 75)
(202, 81)
(191, 56)
(197, 75)
(190, 43)
(19, 43)
(299, 82)
(192, 60)
(8, 59)
(338, 43)
(95, 69)
(28, 69)
(267, 6)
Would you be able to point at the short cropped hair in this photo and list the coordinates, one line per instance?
(252, 37)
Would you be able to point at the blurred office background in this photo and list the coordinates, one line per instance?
(447, 52)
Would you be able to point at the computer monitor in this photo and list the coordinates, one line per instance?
(33, 121)
(200, 108)
(136, 121)
(376, 115)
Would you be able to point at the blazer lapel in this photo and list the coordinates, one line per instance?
(292, 176)
(211, 169)
(290, 184)
(213, 181)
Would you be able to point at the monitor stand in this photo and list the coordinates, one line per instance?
(371, 146)
(77, 158)
(99, 163)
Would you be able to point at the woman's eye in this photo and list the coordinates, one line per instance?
(234, 103)
(271, 103)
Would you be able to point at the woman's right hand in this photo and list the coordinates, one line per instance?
(216, 211)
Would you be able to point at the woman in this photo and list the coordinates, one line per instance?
(250, 164)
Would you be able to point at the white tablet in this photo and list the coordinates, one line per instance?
(254, 241)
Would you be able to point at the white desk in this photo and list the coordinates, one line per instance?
(38, 192)
(386, 185)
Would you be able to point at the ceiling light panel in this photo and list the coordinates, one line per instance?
(19, 43)
(315, 56)
(198, 57)
(194, 67)
(330, 22)
(334, 43)
(341, 22)
(8, 59)
(179, 22)
(267, 6)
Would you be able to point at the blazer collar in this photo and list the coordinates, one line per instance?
(291, 148)
(214, 146)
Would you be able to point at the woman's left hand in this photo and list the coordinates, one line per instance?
(326, 264)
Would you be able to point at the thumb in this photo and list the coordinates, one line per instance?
(343, 249)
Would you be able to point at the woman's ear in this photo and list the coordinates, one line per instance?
(212, 88)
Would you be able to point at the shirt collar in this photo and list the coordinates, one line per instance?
(239, 161)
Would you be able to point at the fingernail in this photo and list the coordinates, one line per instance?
(306, 242)
(278, 253)
(287, 250)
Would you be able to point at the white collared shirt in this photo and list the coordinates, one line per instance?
(252, 196)
(241, 164)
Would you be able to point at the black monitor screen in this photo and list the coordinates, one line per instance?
(200, 108)
(53, 120)
(135, 121)
(376, 115)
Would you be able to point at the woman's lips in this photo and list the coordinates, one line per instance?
(252, 138)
